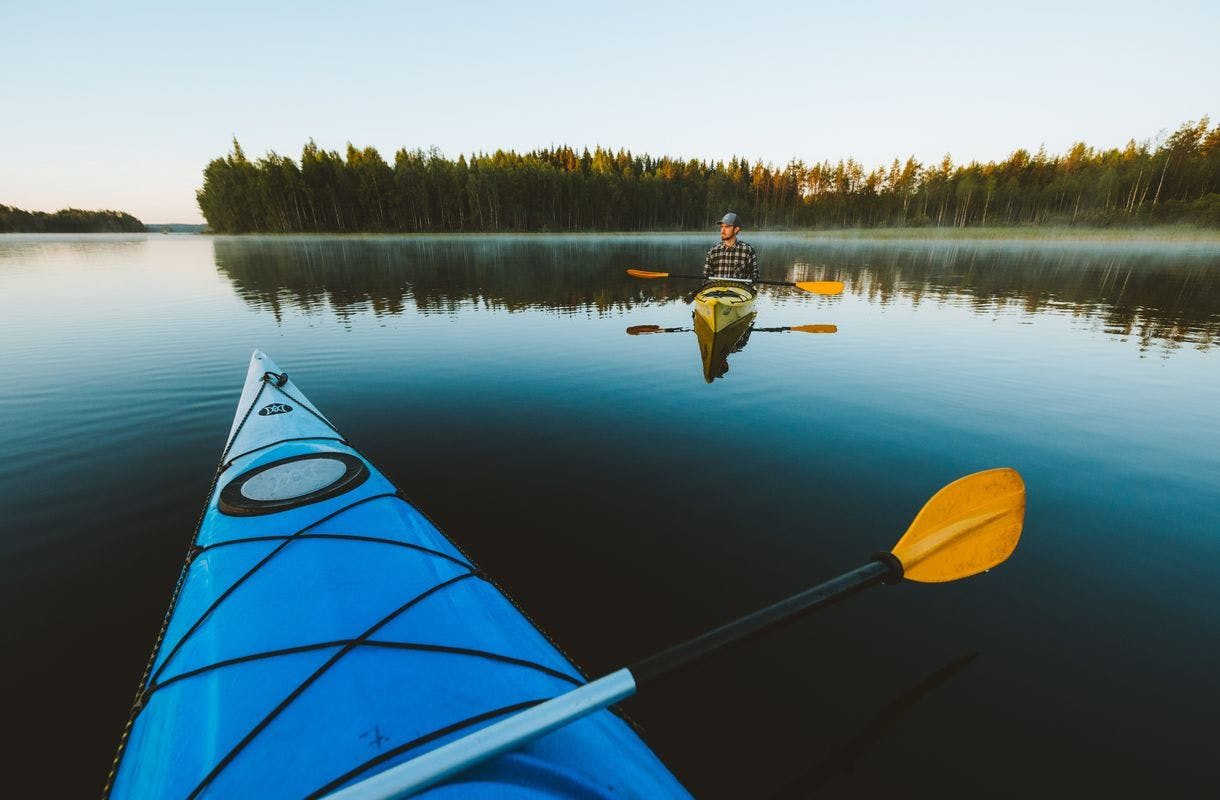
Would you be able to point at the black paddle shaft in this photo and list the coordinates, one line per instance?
(713, 278)
(885, 568)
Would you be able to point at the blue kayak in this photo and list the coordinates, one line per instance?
(323, 630)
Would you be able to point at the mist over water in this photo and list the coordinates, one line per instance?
(625, 502)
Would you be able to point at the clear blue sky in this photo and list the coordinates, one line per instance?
(120, 105)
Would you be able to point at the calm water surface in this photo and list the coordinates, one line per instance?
(626, 502)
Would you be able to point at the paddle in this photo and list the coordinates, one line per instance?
(817, 287)
(967, 527)
(637, 330)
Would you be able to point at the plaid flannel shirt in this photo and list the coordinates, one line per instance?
(731, 262)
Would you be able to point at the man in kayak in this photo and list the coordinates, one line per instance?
(730, 258)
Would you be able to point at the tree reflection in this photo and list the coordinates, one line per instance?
(1159, 298)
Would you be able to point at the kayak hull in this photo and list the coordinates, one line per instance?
(324, 630)
(720, 305)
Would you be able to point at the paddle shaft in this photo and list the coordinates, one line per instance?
(525, 726)
(736, 280)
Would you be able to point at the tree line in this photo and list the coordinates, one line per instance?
(1176, 179)
(67, 220)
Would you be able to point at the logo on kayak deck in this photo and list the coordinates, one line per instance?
(274, 408)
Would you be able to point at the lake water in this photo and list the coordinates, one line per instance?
(626, 502)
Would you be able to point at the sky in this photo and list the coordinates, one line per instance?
(121, 105)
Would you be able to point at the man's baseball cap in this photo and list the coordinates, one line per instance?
(730, 219)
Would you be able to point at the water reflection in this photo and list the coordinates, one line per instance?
(438, 275)
(1167, 297)
(715, 347)
(1161, 296)
(843, 757)
(22, 250)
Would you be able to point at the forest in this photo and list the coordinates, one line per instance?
(1175, 179)
(67, 220)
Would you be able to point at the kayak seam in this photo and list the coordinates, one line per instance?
(318, 673)
(137, 703)
(419, 742)
(233, 460)
(389, 645)
(237, 431)
(236, 584)
(342, 536)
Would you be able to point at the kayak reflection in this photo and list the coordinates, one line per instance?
(715, 347)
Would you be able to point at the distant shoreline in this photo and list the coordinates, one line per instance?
(176, 227)
(67, 220)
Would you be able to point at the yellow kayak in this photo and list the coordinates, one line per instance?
(720, 304)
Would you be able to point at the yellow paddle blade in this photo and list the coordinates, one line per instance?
(636, 330)
(643, 273)
(967, 527)
(816, 328)
(819, 287)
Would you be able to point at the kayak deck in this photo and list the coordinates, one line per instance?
(720, 304)
(324, 630)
